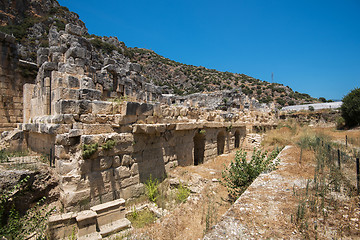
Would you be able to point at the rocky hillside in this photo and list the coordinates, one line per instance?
(185, 79)
(30, 21)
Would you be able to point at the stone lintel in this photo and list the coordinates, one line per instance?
(56, 219)
(188, 126)
(108, 205)
(149, 128)
(85, 215)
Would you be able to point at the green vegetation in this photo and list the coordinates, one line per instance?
(141, 218)
(104, 46)
(15, 226)
(108, 145)
(210, 214)
(350, 109)
(89, 150)
(241, 173)
(152, 190)
(5, 155)
(20, 31)
(182, 193)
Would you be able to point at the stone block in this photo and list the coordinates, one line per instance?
(75, 133)
(116, 162)
(62, 226)
(132, 191)
(87, 83)
(87, 225)
(88, 118)
(127, 161)
(102, 164)
(102, 107)
(132, 108)
(85, 166)
(83, 106)
(123, 148)
(71, 198)
(90, 94)
(66, 106)
(90, 139)
(145, 109)
(61, 152)
(72, 82)
(68, 68)
(126, 182)
(121, 172)
(69, 118)
(75, 29)
(123, 120)
(108, 175)
(102, 118)
(57, 119)
(75, 52)
(64, 166)
(111, 217)
(134, 169)
(90, 129)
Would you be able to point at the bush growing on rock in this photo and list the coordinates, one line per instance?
(89, 150)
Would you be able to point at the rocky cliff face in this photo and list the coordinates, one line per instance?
(29, 22)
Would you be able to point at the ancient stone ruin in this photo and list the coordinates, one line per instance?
(108, 130)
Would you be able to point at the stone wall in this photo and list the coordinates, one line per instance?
(148, 150)
(13, 75)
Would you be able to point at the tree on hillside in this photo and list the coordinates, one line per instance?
(350, 109)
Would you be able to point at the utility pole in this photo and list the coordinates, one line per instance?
(272, 77)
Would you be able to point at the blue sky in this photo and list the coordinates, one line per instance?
(312, 46)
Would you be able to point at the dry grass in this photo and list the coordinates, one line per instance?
(189, 220)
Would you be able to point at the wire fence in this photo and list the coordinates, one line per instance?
(346, 159)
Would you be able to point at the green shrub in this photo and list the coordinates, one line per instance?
(350, 109)
(152, 190)
(182, 193)
(240, 174)
(89, 150)
(104, 46)
(108, 145)
(280, 101)
(311, 108)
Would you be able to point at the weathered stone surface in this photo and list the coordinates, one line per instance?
(87, 83)
(121, 172)
(132, 108)
(116, 162)
(102, 107)
(89, 94)
(75, 29)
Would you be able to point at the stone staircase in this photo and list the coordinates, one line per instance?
(98, 222)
